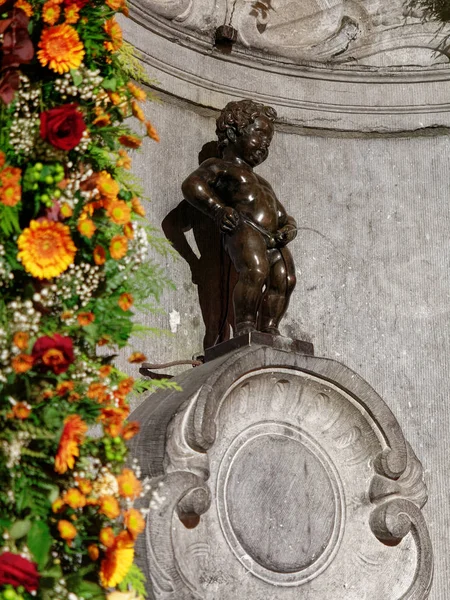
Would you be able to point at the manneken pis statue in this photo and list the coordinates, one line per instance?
(255, 227)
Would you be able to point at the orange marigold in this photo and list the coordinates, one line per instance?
(61, 48)
(112, 419)
(93, 552)
(105, 371)
(66, 211)
(115, 4)
(67, 531)
(22, 363)
(107, 537)
(130, 430)
(2, 158)
(151, 131)
(137, 357)
(57, 505)
(74, 498)
(85, 318)
(118, 247)
(109, 507)
(99, 255)
(25, 6)
(97, 391)
(21, 339)
(72, 436)
(114, 32)
(130, 141)
(10, 175)
(21, 410)
(64, 387)
(125, 301)
(128, 230)
(10, 194)
(124, 160)
(129, 485)
(102, 119)
(51, 12)
(126, 385)
(134, 522)
(136, 91)
(118, 560)
(119, 212)
(72, 14)
(86, 227)
(137, 111)
(84, 485)
(137, 207)
(46, 248)
(107, 186)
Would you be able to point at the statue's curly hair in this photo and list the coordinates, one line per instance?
(238, 115)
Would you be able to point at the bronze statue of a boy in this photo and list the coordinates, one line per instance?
(255, 226)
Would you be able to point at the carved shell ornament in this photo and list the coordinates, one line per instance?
(340, 31)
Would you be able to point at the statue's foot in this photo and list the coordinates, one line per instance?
(271, 330)
(245, 327)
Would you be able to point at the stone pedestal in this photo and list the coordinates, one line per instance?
(279, 475)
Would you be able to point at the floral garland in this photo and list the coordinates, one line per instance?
(73, 260)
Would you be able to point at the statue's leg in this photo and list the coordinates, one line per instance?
(247, 249)
(280, 286)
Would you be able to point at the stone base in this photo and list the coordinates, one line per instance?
(277, 475)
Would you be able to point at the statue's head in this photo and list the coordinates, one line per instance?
(247, 127)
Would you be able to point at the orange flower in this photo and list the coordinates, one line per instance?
(137, 357)
(124, 160)
(74, 498)
(97, 391)
(105, 339)
(66, 211)
(71, 437)
(115, 98)
(107, 536)
(22, 363)
(112, 419)
(137, 207)
(129, 485)
(136, 91)
(134, 522)
(54, 358)
(114, 31)
(137, 111)
(2, 157)
(21, 340)
(61, 48)
(73, 397)
(21, 410)
(118, 560)
(51, 12)
(46, 248)
(10, 194)
(105, 371)
(86, 227)
(85, 318)
(84, 485)
(57, 505)
(128, 230)
(151, 131)
(72, 14)
(130, 430)
(107, 186)
(64, 387)
(125, 301)
(67, 531)
(115, 4)
(65, 315)
(10, 175)
(119, 212)
(25, 6)
(130, 141)
(109, 507)
(99, 255)
(126, 385)
(118, 247)
(102, 118)
(93, 552)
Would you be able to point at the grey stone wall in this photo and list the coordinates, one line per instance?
(372, 258)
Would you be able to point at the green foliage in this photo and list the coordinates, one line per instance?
(135, 580)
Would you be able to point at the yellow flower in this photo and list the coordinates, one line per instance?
(137, 207)
(107, 186)
(124, 160)
(67, 531)
(114, 31)
(118, 560)
(136, 91)
(107, 537)
(72, 13)
(119, 212)
(51, 12)
(134, 522)
(74, 498)
(137, 111)
(109, 507)
(25, 6)
(86, 227)
(118, 247)
(10, 194)
(61, 48)
(46, 249)
(129, 485)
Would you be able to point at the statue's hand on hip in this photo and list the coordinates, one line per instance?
(228, 219)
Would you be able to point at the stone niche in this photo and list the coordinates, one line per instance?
(277, 475)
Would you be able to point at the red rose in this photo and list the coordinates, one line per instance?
(16, 571)
(79, 3)
(63, 127)
(53, 353)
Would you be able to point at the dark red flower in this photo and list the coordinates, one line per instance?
(16, 49)
(53, 353)
(79, 3)
(18, 571)
(63, 127)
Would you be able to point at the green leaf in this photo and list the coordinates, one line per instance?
(89, 591)
(52, 417)
(77, 77)
(110, 84)
(39, 542)
(134, 579)
(19, 529)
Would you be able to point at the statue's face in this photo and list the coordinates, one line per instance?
(253, 145)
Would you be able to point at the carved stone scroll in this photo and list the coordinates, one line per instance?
(275, 476)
